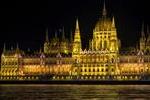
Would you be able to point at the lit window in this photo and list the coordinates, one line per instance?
(93, 70)
(106, 69)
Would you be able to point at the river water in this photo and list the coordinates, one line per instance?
(74, 92)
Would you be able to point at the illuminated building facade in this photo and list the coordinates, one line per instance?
(65, 59)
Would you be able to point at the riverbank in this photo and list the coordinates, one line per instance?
(79, 82)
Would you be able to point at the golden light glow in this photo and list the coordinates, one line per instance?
(64, 59)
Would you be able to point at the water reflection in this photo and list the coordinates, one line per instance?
(74, 92)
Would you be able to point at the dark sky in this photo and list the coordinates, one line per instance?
(25, 21)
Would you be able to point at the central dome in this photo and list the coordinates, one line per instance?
(103, 24)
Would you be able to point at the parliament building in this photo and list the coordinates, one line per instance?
(64, 59)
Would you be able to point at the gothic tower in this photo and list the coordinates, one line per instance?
(77, 41)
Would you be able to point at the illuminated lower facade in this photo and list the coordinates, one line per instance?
(64, 59)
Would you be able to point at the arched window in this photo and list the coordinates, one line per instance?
(100, 44)
(97, 70)
(93, 70)
(105, 44)
(89, 70)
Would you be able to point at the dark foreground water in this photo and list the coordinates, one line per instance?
(74, 92)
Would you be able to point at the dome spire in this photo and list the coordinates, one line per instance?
(104, 13)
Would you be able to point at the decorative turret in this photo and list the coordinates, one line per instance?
(148, 33)
(142, 32)
(71, 38)
(142, 39)
(77, 30)
(55, 39)
(70, 43)
(63, 43)
(148, 40)
(114, 32)
(55, 34)
(17, 48)
(63, 34)
(4, 48)
(77, 40)
(18, 52)
(113, 22)
(47, 39)
(46, 44)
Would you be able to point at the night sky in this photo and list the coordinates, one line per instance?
(25, 21)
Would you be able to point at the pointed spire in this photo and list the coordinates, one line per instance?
(11, 47)
(4, 48)
(147, 29)
(142, 31)
(77, 32)
(47, 39)
(63, 34)
(17, 47)
(148, 33)
(77, 26)
(104, 13)
(77, 40)
(113, 22)
(40, 50)
(55, 34)
(28, 50)
(71, 38)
